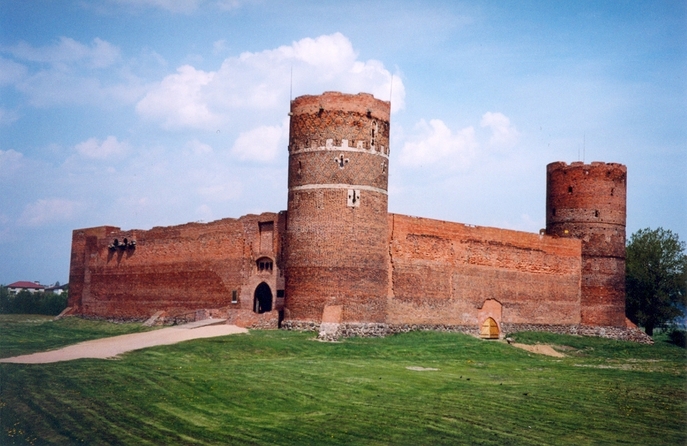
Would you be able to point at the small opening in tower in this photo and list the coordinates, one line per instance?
(372, 133)
(612, 191)
(553, 211)
(570, 189)
(596, 214)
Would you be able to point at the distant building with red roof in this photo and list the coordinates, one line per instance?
(31, 287)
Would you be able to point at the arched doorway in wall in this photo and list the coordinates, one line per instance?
(262, 298)
(489, 329)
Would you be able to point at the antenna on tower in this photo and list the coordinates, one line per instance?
(584, 140)
(291, 85)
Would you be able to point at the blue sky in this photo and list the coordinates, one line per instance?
(142, 113)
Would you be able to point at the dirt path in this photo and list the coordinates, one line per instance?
(111, 347)
(541, 349)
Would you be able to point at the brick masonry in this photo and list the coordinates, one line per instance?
(337, 262)
(444, 273)
(336, 229)
(177, 269)
(588, 202)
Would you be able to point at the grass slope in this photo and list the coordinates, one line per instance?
(277, 387)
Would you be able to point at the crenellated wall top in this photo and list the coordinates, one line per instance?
(363, 103)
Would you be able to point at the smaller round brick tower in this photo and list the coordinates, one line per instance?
(588, 202)
(337, 242)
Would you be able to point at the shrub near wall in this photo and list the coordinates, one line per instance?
(25, 302)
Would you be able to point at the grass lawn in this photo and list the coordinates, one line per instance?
(278, 387)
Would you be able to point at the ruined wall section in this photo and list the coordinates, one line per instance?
(444, 273)
(336, 231)
(588, 202)
(173, 269)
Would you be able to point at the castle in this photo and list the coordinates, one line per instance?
(337, 261)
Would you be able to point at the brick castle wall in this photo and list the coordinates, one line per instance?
(588, 202)
(337, 258)
(336, 248)
(445, 273)
(175, 269)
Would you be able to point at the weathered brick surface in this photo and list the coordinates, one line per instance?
(588, 202)
(338, 263)
(176, 269)
(444, 272)
(337, 253)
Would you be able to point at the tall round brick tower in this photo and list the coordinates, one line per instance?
(588, 202)
(337, 246)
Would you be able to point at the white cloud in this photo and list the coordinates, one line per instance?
(503, 133)
(199, 148)
(259, 82)
(183, 6)
(8, 116)
(10, 71)
(93, 148)
(261, 143)
(438, 144)
(180, 100)
(228, 5)
(70, 72)
(56, 87)
(219, 46)
(204, 212)
(100, 54)
(180, 6)
(221, 191)
(47, 211)
(10, 161)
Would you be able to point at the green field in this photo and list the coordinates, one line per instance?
(279, 387)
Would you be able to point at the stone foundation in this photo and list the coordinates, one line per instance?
(618, 333)
(300, 325)
(333, 332)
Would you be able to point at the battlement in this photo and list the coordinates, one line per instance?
(586, 193)
(362, 103)
(579, 165)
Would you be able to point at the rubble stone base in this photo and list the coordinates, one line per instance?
(333, 332)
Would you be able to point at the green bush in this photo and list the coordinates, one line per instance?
(678, 337)
(25, 302)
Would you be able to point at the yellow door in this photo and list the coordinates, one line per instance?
(489, 329)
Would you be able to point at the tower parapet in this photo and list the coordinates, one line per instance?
(337, 230)
(588, 202)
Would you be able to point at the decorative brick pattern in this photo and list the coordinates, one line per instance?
(336, 253)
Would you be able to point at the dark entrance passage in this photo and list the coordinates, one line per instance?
(262, 299)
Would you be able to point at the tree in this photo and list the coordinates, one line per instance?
(655, 278)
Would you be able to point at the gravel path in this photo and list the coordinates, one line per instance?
(111, 347)
(541, 349)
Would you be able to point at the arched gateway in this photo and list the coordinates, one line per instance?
(262, 298)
